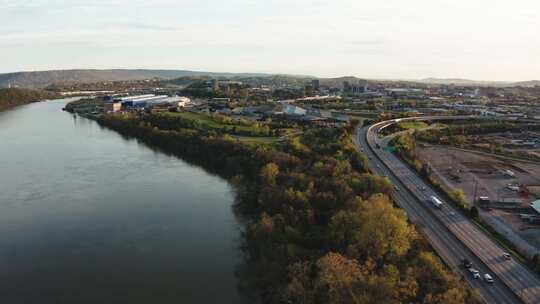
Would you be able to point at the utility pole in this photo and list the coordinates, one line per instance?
(475, 190)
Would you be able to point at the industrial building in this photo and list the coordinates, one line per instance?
(536, 206)
(294, 110)
(147, 100)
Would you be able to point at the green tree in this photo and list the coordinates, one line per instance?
(301, 284)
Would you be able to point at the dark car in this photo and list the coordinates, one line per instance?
(467, 263)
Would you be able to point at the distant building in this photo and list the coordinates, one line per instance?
(355, 89)
(405, 93)
(145, 101)
(346, 87)
(113, 107)
(215, 85)
(183, 102)
(294, 110)
(316, 84)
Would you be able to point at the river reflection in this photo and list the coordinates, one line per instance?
(87, 216)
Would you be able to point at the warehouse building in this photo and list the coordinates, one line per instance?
(149, 100)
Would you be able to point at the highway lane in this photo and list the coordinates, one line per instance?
(460, 225)
(448, 246)
(516, 276)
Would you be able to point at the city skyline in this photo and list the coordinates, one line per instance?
(485, 40)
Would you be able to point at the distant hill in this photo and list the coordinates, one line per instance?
(530, 83)
(465, 82)
(41, 79)
(251, 80)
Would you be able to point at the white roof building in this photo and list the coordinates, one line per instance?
(536, 206)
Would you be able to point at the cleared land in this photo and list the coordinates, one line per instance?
(486, 175)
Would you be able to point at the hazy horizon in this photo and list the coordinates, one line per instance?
(484, 40)
(270, 73)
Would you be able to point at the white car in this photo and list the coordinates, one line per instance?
(488, 278)
(507, 256)
(475, 273)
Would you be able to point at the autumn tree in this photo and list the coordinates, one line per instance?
(376, 230)
(269, 173)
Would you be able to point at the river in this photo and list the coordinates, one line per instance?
(87, 216)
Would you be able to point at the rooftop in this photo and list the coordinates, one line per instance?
(536, 206)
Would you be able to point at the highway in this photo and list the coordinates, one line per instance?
(451, 234)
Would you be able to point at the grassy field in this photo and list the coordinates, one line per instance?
(209, 123)
(413, 125)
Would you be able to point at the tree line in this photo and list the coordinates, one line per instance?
(13, 97)
(319, 227)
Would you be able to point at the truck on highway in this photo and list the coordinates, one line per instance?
(437, 202)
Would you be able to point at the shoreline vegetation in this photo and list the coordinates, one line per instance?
(318, 226)
(13, 97)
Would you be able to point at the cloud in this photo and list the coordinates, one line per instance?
(338, 37)
(142, 26)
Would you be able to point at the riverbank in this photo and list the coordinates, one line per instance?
(13, 97)
(319, 226)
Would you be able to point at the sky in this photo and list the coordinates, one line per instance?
(391, 39)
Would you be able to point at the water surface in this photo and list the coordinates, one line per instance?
(87, 216)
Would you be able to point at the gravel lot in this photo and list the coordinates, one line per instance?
(484, 174)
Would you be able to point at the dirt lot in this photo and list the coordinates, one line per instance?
(488, 176)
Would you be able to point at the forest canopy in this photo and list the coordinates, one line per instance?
(319, 227)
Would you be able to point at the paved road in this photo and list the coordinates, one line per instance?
(450, 233)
